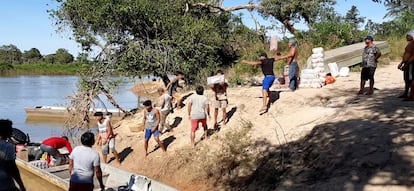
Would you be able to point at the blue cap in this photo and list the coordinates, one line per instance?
(369, 38)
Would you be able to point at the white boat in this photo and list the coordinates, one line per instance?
(62, 112)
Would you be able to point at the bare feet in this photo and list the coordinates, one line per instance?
(216, 126)
(361, 92)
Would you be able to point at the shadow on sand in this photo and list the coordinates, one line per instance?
(371, 150)
(123, 154)
(167, 141)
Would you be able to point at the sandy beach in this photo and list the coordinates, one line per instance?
(317, 139)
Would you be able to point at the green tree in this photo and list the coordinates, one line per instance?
(50, 58)
(158, 37)
(402, 20)
(62, 56)
(10, 54)
(82, 57)
(32, 56)
(353, 17)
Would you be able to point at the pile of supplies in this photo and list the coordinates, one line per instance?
(314, 77)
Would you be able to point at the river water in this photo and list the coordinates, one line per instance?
(19, 92)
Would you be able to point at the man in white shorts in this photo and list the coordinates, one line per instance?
(164, 105)
(106, 136)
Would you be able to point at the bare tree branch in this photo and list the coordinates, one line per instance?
(229, 9)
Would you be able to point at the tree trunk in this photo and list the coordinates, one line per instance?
(289, 26)
(113, 102)
(218, 9)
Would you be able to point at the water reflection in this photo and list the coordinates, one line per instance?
(19, 92)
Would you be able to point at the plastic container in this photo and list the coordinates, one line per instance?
(344, 72)
(317, 50)
(273, 43)
(333, 67)
(317, 56)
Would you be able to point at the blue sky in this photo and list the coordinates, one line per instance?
(26, 23)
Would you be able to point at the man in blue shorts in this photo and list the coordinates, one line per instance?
(269, 76)
(151, 121)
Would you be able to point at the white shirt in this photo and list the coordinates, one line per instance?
(84, 160)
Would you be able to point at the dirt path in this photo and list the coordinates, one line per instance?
(331, 139)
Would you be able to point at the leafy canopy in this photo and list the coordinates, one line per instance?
(151, 37)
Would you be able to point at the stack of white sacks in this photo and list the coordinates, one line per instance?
(314, 76)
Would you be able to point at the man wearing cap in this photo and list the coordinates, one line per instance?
(269, 76)
(407, 65)
(292, 57)
(369, 65)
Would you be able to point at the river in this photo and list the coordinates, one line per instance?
(19, 92)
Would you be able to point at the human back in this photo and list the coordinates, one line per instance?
(198, 106)
(7, 153)
(85, 159)
(267, 66)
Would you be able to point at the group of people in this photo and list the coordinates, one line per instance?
(154, 118)
(84, 161)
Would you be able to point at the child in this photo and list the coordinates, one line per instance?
(329, 79)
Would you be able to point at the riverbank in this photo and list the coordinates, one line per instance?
(43, 69)
(311, 139)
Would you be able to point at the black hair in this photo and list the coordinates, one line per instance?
(65, 138)
(220, 72)
(5, 128)
(100, 114)
(147, 103)
(200, 90)
(263, 54)
(328, 74)
(179, 73)
(88, 139)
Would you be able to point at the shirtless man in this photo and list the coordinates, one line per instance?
(269, 76)
(220, 101)
(407, 65)
(292, 58)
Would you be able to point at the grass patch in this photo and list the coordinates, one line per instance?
(397, 46)
(232, 159)
(48, 69)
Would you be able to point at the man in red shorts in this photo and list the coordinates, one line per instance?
(198, 106)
